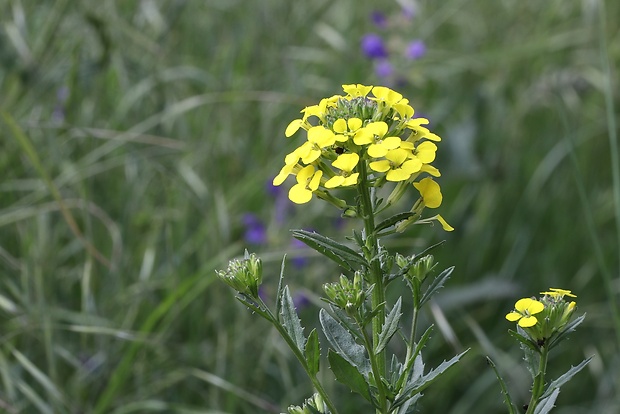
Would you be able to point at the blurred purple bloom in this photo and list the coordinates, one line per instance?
(373, 47)
(282, 204)
(415, 50)
(384, 68)
(300, 300)
(378, 19)
(254, 230)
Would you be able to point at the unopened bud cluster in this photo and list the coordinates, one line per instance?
(312, 405)
(417, 268)
(346, 294)
(245, 276)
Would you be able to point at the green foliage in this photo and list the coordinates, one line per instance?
(159, 135)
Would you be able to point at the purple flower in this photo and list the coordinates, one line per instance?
(373, 47)
(378, 19)
(254, 230)
(408, 12)
(415, 50)
(383, 68)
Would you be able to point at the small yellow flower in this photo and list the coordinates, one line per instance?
(346, 163)
(293, 127)
(356, 90)
(524, 312)
(430, 192)
(374, 134)
(419, 131)
(386, 95)
(398, 165)
(346, 128)
(308, 180)
(558, 293)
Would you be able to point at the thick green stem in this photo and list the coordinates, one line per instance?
(383, 402)
(539, 381)
(372, 251)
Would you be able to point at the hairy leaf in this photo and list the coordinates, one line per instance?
(502, 384)
(348, 374)
(390, 326)
(313, 352)
(291, 321)
(564, 378)
(545, 405)
(344, 343)
(339, 253)
(389, 222)
(437, 284)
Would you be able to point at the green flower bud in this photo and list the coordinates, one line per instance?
(245, 276)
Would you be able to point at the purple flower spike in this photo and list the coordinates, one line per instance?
(415, 50)
(373, 47)
(254, 230)
(384, 68)
(378, 19)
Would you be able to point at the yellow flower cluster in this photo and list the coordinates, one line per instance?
(372, 125)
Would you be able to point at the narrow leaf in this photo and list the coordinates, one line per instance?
(291, 321)
(280, 289)
(339, 253)
(502, 384)
(418, 385)
(390, 326)
(389, 222)
(313, 352)
(567, 329)
(348, 374)
(343, 343)
(545, 405)
(523, 340)
(437, 284)
(564, 378)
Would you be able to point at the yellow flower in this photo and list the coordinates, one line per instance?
(524, 310)
(345, 128)
(430, 192)
(308, 180)
(346, 163)
(383, 94)
(356, 90)
(398, 165)
(374, 134)
(558, 293)
(419, 131)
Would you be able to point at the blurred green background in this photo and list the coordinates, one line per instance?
(138, 142)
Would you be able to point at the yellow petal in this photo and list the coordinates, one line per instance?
(377, 128)
(380, 166)
(293, 127)
(397, 175)
(340, 126)
(391, 143)
(316, 180)
(352, 180)
(346, 162)
(376, 151)
(513, 316)
(335, 181)
(354, 124)
(528, 321)
(299, 194)
(363, 137)
(430, 192)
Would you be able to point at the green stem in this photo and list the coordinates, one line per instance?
(538, 387)
(376, 275)
(383, 402)
(377, 300)
(300, 357)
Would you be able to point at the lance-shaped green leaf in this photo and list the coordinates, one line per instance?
(313, 352)
(437, 284)
(348, 374)
(291, 321)
(344, 343)
(570, 327)
(418, 385)
(502, 384)
(564, 378)
(389, 222)
(339, 253)
(390, 326)
(280, 289)
(523, 340)
(546, 404)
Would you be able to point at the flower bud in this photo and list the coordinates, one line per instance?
(245, 276)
